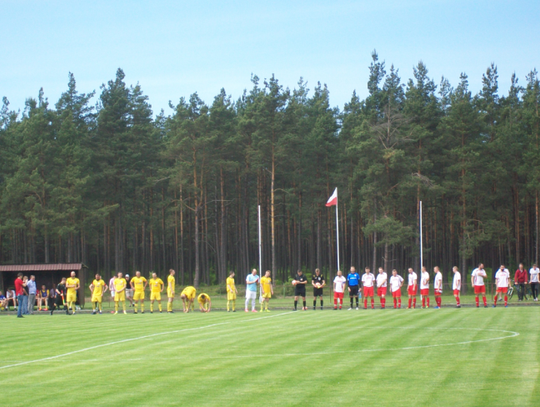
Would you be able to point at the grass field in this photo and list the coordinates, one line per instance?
(447, 357)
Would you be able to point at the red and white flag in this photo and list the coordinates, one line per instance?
(333, 199)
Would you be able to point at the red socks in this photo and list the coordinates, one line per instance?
(365, 303)
(395, 302)
(372, 303)
(457, 301)
(485, 301)
(477, 301)
(495, 300)
(505, 300)
(427, 301)
(399, 303)
(423, 302)
(410, 302)
(414, 302)
(438, 301)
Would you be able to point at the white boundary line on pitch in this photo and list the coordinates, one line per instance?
(136, 339)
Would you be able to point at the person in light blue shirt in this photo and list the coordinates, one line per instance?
(251, 289)
(353, 280)
(32, 291)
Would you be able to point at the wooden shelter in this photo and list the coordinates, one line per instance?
(46, 274)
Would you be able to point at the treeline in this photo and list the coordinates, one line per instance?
(119, 188)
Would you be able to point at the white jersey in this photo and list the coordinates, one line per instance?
(111, 285)
(534, 272)
(340, 281)
(382, 279)
(478, 276)
(367, 280)
(502, 277)
(395, 282)
(413, 278)
(424, 284)
(437, 281)
(456, 284)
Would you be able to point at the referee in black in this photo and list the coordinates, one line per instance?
(317, 291)
(300, 289)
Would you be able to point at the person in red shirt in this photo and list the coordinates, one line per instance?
(20, 291)
(520, 279)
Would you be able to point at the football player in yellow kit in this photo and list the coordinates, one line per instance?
(188, 296)
(72, 285)
(98, 288)
(267, 290)
(156, 288)
(205, 303)
(138, 284)
(231, 292)
(120, 292)
(171, 283)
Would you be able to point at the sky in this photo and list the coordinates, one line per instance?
(175, 48)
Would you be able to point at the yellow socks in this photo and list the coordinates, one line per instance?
(151, 307)
(159, 306)
(116, 306)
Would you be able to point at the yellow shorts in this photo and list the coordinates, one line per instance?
(138, 296)
(120, 296)
(231, 296)
(170, 294)
(96, 298)
(267, 295)
(71, 297)
(155, 296)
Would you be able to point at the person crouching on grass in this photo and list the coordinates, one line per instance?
(205, 303)
(188, 296)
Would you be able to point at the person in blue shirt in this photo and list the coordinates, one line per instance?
(251, 289)
(32, 291)
(353, 280)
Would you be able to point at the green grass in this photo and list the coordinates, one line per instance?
(448, 357)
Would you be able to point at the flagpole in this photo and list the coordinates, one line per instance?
(421, 241)
(337, 230)
(260, 251)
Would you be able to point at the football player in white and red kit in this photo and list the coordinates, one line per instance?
(367, 282)
(382, 282)
(412, 288)
(339, 289)
(477, 280)
(396, 281)
(456, 285)
(437, 286)
(424, 288)
(502, 281)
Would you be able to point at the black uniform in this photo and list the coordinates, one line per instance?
(60, 298)
(300, 289)
(317, 292)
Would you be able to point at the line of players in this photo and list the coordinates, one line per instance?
(138, 284)
(369, 281)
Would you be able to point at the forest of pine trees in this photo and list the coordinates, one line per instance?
(118, 187)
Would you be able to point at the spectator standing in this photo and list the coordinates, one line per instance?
(20, 292)
(520, 279)
(24, 304)
(32, 291)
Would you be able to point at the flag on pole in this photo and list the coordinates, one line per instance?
(333, 199)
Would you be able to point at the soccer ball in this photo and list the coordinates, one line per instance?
(318, 285)
(294, 282)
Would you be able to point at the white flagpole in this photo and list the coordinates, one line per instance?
(421, 241)
(260, 253)
(337, 230)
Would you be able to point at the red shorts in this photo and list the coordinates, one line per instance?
(396, 294)
(338, 295)
(437, 292)
(368, 291)
(424, 291)
(479, 289)
(411, 290)
(456, 292)
(503, 290)
(381, 291)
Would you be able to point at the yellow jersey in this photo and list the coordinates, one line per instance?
(189, 292)
(230, 285)
(138, 284)
(155, 284)
(98, 287)
(72, 281)
(170, 283)
(203, 298)
(266, 283)
(119, 284)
